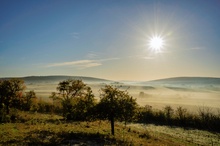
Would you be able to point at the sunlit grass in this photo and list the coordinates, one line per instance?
(35, 129)
(47, 129)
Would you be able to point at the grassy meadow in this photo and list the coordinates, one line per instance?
(49, 129)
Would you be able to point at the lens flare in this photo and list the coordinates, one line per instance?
(156, 43)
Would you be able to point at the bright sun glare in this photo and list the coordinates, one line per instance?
(156, 43)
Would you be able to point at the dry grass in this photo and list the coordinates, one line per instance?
(45, 129)
(181, 135)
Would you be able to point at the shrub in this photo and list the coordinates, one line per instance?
(181, 114)
(145, 114)
(168, 112)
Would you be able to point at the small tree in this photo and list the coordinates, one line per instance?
(128, 106)
(11, 93)
(75, 96)
(116, 105)
(28, 99)
(54, 98)
(181, 114)
(82, 107)
(168, 111)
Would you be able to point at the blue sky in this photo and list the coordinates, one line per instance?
(109, 38)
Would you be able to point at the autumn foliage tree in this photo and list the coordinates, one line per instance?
(11, 93)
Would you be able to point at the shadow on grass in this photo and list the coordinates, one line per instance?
(44, 137)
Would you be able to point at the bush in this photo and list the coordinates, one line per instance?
(44, 107)
(181, 115)
(145, 114)
(3, 115)
(168, 112)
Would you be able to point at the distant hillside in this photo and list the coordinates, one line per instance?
(48, 79)
(185, 81)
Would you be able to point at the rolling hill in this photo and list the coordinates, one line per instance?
(176, 81)
(52, 79)
(187, 80)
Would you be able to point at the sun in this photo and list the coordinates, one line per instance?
(156, 43)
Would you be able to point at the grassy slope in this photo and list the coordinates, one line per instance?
(44, 129)
(188, 136)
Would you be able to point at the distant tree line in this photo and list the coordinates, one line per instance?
(203, 119)
(76, 102)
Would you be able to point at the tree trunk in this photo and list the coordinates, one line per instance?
(7, 109)
(112, 125)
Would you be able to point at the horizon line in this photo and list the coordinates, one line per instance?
(109, 79)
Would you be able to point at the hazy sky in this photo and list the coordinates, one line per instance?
(109, 38)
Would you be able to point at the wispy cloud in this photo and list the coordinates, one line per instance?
(75, 35)
(109, 59)
(77, 63)
(142, 57)
(197, 48)
(149, 57)
(81, 64)
(91, 55)
(98, 57)
(190, 49)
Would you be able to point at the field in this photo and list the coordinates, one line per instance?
(47, 129)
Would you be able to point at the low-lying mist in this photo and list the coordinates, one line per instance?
(190, 96)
